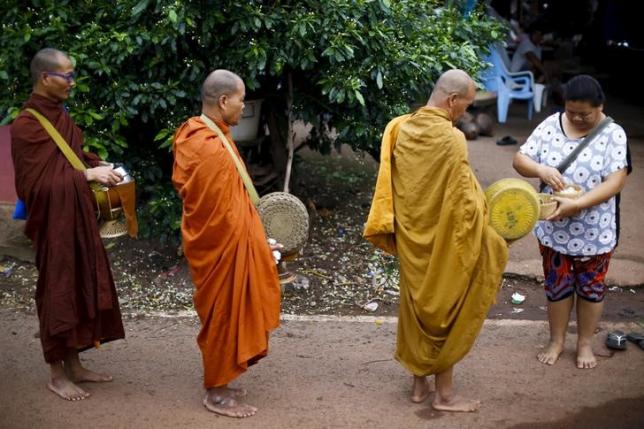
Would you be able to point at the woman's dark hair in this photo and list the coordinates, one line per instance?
(584, 88)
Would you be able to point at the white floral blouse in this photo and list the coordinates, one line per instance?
(594, 230)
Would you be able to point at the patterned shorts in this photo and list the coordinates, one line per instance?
(566, 274)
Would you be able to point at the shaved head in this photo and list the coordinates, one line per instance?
(454, 91)
(48, 59)
(219, 82)
(453, 81)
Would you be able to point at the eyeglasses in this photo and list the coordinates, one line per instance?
(69, 77)
(582, 116)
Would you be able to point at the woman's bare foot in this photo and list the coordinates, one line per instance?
(455, 404)
(67, 390)
(585, 357)
(224, 404)
(420, 390)
(550, 355)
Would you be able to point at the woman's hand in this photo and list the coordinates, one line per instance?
(104, 175)
(567, 207)
(551, 177)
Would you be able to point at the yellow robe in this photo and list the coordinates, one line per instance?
(430, 210)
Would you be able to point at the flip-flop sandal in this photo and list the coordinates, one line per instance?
(616, 340)
(505, 141)
(635, 337)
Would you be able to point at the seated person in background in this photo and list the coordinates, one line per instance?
(527, 57)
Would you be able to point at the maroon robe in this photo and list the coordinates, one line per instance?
(75, 294)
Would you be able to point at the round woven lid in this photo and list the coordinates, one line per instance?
(113, 228)
(285, 219)
(514, 207)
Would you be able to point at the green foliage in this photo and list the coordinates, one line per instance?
(355, 64)
(384, 269)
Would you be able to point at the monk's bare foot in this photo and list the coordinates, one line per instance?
(550, 355)
(237, 392)
(80, 374)
(585, 357)
(420, 390)
(455, 404)
(67, 390)
(227, 405)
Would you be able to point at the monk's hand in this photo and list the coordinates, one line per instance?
(103, 174)
(276, 249)
(551, 177)
(567, 208)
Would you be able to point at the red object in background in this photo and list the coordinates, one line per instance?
(7, 188)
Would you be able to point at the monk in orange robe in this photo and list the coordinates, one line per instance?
(75, 294)
(430, 211)
(237, 291)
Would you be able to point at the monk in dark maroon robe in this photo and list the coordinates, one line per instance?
(75, 294)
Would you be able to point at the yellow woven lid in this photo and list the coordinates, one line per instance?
(513, 207)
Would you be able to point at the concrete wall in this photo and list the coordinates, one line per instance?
(7, 190)
(13, 242)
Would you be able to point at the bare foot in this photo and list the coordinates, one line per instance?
(237, 392)
(420, 390)
(67, 390)
(455, 404)
(80, 374)
(227, 406)
(585, 357)
(551, 354)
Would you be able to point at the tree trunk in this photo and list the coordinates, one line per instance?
(289, 138)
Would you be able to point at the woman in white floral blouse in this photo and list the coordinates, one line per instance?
(578, 239)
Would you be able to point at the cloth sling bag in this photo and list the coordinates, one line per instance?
(101, 194)
(581, 146)
(248, 183)
(283, 215)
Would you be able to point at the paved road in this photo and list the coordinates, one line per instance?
(320, 374)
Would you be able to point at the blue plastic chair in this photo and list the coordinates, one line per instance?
(507, 85)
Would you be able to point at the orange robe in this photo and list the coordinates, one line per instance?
(237, 295)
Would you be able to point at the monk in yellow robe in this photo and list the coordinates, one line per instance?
(430, 211)
(237, 291)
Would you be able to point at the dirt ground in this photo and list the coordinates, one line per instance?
(321, 374)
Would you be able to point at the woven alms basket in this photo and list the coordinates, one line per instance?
(113, 228)
(547, 205)
(513, 207)
(285, 219)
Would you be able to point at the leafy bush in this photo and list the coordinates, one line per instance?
(354, 65)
